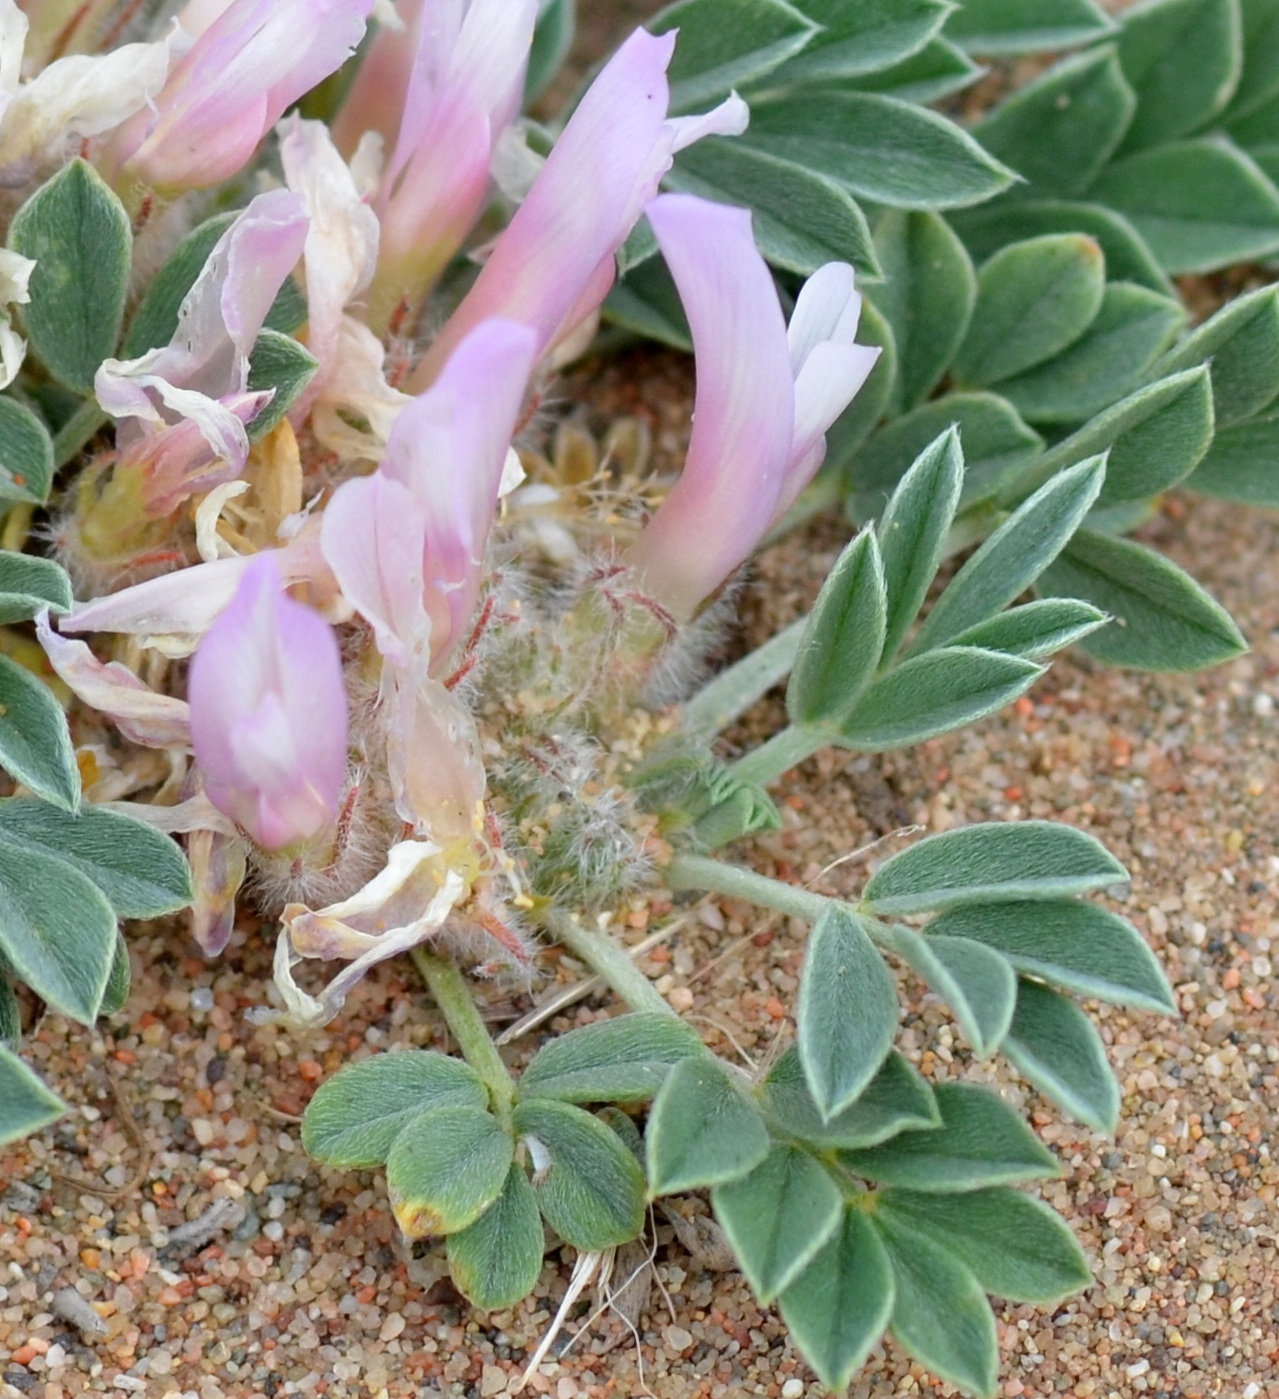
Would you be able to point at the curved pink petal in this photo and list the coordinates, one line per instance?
(253, 61)
(744, 412)
(269, 713)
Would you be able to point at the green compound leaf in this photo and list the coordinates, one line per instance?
(939, 69)
(278, 362)
(1183, 59)
(589, 1186)
(839, 1305)
(57, 932)
(1055, 1045)
(445, 1168)
(997, 445)
(878, 147)
(1076, 946)
(10, 1018)
(355, 1116)
(977, 984)
(1033, 299)
(981, 1142)
(842, 640)
(1059, 130)
(26, 455)
(1015, 1246)
(778, 1216)
(624, 1060)
(801, 219)
(26, 1104)
(725, 44)
(496, 1261)
(934, 693)
(77, 231)
(1036, 629)
(914, 530)
(1133, 326)
(847, 1013)
(702, 1130)
(28, 584)
(940, 1313)
(141, 870)
(1200, 205)
(995, 862)
(1240, 345)
(1163, 619)
(1026, 26)
(1242, 464)
(861, 39)
(1128, 256)
(895, 1100)
(927, 296)
(1153, 438)
(155, 321)
(35, 747)
(1258, 83)
(1014, 556)
(119, 979)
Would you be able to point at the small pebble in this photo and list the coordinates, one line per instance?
(274, 1231)
(792, 1389)
(202, 999)
(492, 1380)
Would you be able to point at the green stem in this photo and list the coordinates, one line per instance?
(734, 690)
(782, 752)
(699, 872)
(76, 431)
(449, 988)
(607, 959)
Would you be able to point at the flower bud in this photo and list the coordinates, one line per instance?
(269, 715)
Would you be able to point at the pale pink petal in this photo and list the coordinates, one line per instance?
(744, 411)
(141, 715)
(433, 756)
(188, 602)
(341, 242)
(373, 538)
(449, 447)
(407, 903)
(584, 202)
(219, 863)
(828, 307)
(253, 60)
(832, 374)
(269, 714)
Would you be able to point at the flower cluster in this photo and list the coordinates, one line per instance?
(366, 591)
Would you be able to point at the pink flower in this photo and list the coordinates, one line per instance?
(765, 397)
(407, 542)
(188, 401)
(268, 713)
(553, 265)
(463, 90)
(250, 63)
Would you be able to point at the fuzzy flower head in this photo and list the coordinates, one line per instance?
(269, 714)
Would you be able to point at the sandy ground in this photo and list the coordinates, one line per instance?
(296, 1284)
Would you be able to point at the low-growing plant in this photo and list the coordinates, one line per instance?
(411, 687)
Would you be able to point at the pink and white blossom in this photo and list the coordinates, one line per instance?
(463, 90)
(554, 264)
(765, 397)
(247, 66)
(187, 403)
(269, 714)
(407, 543)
